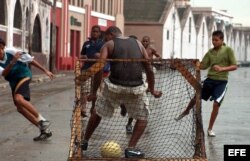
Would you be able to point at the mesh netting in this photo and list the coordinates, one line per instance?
(164, 137)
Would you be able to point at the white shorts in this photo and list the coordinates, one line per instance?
(134, 98)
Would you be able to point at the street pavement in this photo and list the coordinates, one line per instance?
(55, 100)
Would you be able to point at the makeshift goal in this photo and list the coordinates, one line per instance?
(164, 138)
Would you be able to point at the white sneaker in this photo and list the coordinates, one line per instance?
(210, 133)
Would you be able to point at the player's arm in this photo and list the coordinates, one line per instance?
(149, 73)
(227, 68)
(37, 65)
(231, 61)
(154, 52)
(100, 64)
(83, 51)
(8, 68)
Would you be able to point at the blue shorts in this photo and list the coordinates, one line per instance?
(214, 90)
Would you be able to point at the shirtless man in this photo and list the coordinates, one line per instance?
(150, 50)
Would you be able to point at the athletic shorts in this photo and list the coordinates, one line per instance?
(134, 98)
(214, 90)
(22, 88)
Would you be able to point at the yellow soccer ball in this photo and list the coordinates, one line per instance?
(111, 149)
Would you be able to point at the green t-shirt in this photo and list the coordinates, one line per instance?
(222, 57)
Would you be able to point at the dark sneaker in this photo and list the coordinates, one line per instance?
(84, 145)
(129, 129)
(43, 136)
(133, 153)
(123, 110)
(44, 125)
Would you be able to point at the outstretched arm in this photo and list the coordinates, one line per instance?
(149, 73)
(37, 65)
(154, 52)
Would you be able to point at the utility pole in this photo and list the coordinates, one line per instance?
(53, 40)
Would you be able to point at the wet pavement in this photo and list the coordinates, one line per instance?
(55, 100)
(233, 122)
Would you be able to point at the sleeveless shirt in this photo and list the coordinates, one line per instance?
(126, 73)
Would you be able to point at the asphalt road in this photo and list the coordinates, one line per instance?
(55, 99)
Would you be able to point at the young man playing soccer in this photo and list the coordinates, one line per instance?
(14, 67)
(122, 88)
(219, 61)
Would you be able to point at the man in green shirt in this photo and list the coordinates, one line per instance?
(219, 61)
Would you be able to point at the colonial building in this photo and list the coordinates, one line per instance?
(178, 30)
(26, 25)
(156, 19)
(74, 19)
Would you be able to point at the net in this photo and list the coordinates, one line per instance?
(164, 137)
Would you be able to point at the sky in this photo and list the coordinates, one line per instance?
(239, 9)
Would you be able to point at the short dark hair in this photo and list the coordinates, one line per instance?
(97, 27)
(113, 29)
(133, 36)
(218, 33)
(2, 42)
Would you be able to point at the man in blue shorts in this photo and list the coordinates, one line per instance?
(14, 67)
(219, 61)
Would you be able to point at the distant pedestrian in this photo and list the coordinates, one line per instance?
(219, 61)
(14, 67)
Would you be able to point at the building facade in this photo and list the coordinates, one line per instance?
(182, 31)
(74, 19)
(26, 26)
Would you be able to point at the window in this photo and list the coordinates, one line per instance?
(103, 6)
(110, 7)
(94, 5)
(18, 15)
(36, 38)
(189, 30)
(167, 34)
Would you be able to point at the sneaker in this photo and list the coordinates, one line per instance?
(123, 110)
(129, 129)
(43, 136)
(84, 145)
(210, 133)
(133, 153)
(43, 125)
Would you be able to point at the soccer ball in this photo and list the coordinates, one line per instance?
(111, 149)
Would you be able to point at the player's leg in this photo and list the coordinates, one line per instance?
(21, 97)
(213, 117)
(129, 127)
(93, 123)
(187, 110)
(137, 109)
(139, 128)
(103, 109)
(219, 91)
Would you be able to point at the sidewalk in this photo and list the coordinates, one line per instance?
(36, 78)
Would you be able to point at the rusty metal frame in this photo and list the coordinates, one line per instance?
(75, 153)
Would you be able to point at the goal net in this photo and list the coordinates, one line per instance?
(164, 137)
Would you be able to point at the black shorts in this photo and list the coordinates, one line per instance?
(23, 88)
(214, 90)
